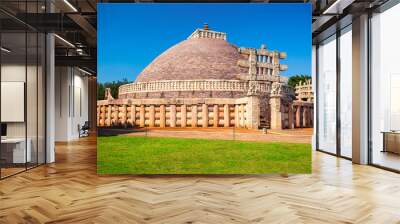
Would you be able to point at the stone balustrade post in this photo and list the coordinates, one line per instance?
(109, 115)
(172, 116)
(133, 115)
(162, 116)
(253, 112)
(183, 116)
(290, 111)
(276, 112)
(242, 116)
(194, 116)
(237, 118)
(204, 117)
(298, 116)
(305, 116)
(226, 115)
(98, 115)
(115, 115)
(142, 118)
(311, 117)
(152, 118)
(124, 115)
(216, 115)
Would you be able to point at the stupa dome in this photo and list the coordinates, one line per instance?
(195, 59)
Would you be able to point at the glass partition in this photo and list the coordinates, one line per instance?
(346, 92)
(41, 97)
(14, 153)
(22, 88)
(31, 97)
(327, 95)
(385, 89)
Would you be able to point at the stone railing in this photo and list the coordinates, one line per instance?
(269, 78)
(281, 89)
(305, 94)
(192, 85)
(201, 33)
(224, 112)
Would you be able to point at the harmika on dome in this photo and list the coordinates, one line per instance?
(205, 81)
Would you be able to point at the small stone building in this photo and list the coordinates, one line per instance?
(205, 81)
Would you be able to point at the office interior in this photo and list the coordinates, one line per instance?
(48, 79)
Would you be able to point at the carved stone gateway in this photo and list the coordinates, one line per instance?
(304, 91)
(204, 81)
(107, 94)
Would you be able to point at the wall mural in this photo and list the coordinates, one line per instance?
(198, 102)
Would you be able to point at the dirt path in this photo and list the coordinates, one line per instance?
(291, 135)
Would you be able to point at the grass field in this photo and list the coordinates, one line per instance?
(151, 155)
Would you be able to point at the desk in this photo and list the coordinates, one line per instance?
(391, 141)
(17, 150)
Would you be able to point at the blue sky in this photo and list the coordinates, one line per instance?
(130, 36)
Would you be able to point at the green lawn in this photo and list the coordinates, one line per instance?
(150, 155)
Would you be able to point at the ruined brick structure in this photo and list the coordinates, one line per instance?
(205, 81)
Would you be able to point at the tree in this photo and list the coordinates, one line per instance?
(294, 80)
(114, 85)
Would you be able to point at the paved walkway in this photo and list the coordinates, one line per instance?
(290, 135)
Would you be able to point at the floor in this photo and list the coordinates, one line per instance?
(10, 171)
(387, 159)
(70, 191)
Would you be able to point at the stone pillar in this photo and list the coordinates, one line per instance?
(252, 62)
(216, 115)
(172, 116)
(275, 62)
(226, 115)
(152, 116)
(290, 116)
(242, 117)
(204, 117)
(298, 111)
(276, 113)
(194, 116)
(133, 115)
(141, 119)
(183, 116)
(253, 112)
(237, 116)
(162, 116)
